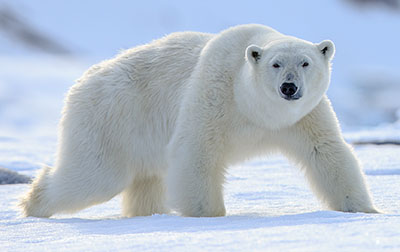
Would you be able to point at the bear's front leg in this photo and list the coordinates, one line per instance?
(195, 154)
(329, 163)
(195, 178)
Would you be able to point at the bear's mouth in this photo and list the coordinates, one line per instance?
(292, 97)
(289, 91)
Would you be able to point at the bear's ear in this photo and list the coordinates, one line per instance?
(253, 53)
(327, 48)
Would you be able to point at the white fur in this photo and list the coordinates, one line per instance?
(188, 106)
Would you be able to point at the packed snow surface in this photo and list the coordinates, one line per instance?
(269, 207)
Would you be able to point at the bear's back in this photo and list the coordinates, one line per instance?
(166, 61)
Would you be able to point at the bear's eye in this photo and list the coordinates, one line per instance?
(276, 65)
(305, 64)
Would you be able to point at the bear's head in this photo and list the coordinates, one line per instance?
(285, 79)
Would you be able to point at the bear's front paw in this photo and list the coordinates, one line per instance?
(369, 209)
(357, 206)
(200, 210)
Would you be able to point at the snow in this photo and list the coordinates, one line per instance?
(269, 204)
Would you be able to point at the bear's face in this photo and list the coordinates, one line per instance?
(290, 76)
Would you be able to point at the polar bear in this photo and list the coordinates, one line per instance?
(172, 115)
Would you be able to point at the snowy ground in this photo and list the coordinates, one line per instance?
(269, 207)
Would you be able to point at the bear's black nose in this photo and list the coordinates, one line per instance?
(288, 89)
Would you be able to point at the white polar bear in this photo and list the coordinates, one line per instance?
(187, 106)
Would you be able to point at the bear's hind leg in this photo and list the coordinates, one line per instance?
(33, 203)
(68, 189)
(145, 196)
